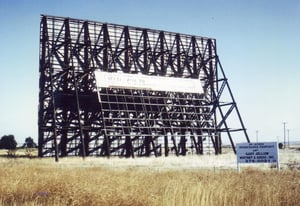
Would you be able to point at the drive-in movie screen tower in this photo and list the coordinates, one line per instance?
(115, 90)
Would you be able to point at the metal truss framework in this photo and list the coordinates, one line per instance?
(77, 118)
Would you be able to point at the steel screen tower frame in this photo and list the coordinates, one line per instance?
(77, 118)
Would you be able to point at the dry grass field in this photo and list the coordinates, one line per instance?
(192, 180)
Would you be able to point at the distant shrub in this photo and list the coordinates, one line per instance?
(29, 143)
(8, 142)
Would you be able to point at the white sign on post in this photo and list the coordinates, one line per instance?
(260, 152)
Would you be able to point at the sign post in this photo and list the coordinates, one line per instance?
(260, 152)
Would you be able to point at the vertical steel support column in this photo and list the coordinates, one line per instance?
(87, 89)
(199, 134)
(174, 145)
(195, 67)
(218, 142)
(147, 143)
(106, 44)
(145, 70)
(178, 55)
(162, 52)
(128, 145)
(154, 147)
(127, 53)
(79, 118)
(54, 120)
(213, 85)
(66, 68)
(182, 142)
(166, 145)
(42, 70)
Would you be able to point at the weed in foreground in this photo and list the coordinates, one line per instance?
(41, 182)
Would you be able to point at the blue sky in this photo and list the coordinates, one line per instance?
(258, 44)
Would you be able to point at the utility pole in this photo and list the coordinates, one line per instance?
(288, 138)
(284, 139)
(256, 135)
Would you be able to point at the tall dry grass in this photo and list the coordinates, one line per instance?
(44, 182)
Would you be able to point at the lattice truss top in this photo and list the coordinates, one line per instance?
(108, 89)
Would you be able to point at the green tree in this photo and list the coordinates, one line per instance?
(29, 143)
(8, 142)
